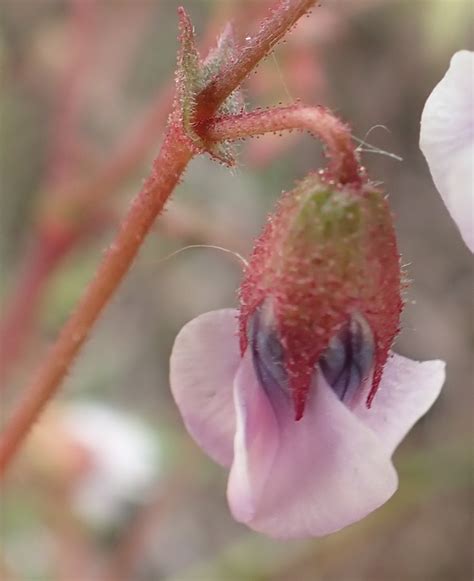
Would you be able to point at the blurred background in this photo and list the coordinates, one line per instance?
(109, 485)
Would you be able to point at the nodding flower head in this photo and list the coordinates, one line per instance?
(323, 287)
(319, 308)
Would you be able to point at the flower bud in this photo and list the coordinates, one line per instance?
(327, 263)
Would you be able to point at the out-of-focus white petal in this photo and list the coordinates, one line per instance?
(460, 182)
(447, 141)
(122, 460)
(407, 391)
(203, 364)
(310, 477)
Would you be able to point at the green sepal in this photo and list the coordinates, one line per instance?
(193, 75)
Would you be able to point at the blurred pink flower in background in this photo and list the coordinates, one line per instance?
(447, 141)
(294, 479)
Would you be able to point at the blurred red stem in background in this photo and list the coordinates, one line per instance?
(42, 258)
(46, 250)
(85, 199)
(167, 170)
(343, 163)
(166, 173)
(68, 105)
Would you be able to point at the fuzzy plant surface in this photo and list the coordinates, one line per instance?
(297, 392)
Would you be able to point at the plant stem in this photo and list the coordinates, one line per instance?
(284, 15)
(167, 170)
(343, 163)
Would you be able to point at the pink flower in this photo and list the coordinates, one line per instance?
(294, 479)
(447, 141)
(296, 392)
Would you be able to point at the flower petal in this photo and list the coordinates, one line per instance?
(203, 364)
(308, 478)
(255, 443)
(407, 391)
(447, 141)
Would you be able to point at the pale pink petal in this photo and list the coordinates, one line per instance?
(311, 477)
(407, 391)
(255, 444)
(203, 364)
(447, 141)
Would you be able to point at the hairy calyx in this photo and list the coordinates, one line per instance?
(328, 264)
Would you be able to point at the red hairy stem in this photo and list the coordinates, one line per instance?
(343, 163)
(174, 155)
(285, 14)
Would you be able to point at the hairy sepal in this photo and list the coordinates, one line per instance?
(193, 75)
(327, 252)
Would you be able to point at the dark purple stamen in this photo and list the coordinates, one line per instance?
(346, 363)
(267, 351)
(348, 360)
